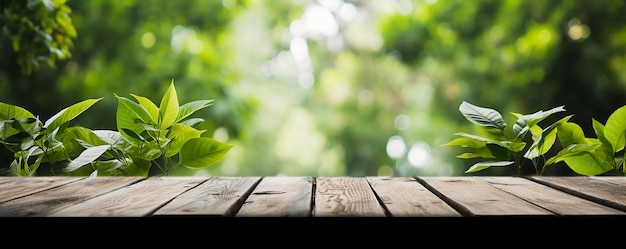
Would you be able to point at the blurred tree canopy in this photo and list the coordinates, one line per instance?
(38, 31)
(327, 87)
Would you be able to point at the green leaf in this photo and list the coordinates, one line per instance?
(150, 151)
(573, 150)
(482, 152)
(180, 134)
(136, 167)
(69, 113)
(109, 136)
(598, 128)
(152, 109)
(514, 146)
(484, 165)
(87, 156)
(545, 140)
(168, 109)
(476, 137)
(482, 116)
(202, 152)
(485, 153)
(498, 152)
(570, 133)
(192, 122)
(8, 111)
(466, 143)
(587, 164)
(127, 112)
(84, 136)
(529, 120)
(192, 107)
(542, 145)
(615, 128)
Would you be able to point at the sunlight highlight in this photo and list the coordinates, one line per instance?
(396, 147)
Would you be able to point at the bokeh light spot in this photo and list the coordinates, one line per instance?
(148, 40)
(396, 147)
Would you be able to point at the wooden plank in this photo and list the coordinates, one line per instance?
(620, 180)
(473, 197)
(279, 197)
(345, 196)
(4, 179)
(43, 203)
(137, 200)
(405, 197)
(549, 198)
(218, 196)
(23, 186)
(592, 188)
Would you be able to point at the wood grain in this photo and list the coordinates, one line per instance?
(23, 186)
(404, 196)
(280, 197)
(592, 188)
(43, 203)
(137, 200)
(473, 197)
(306, 196)
(549, 198)
(218, 196)
(345, 196)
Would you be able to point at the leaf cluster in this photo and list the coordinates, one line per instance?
(586, 156)
(39, 31)
(147, 135)
(500, 149)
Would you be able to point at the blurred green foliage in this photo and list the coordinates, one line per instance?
(336, 87)
(39, 31)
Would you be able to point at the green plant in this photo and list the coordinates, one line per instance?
(594, 156)
(499, 147)
(147, 135)
(166, 131)
(38, 31)
(34, 142)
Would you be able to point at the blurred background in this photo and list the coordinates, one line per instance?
(326, 87)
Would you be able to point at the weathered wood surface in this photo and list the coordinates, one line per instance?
(255, 196)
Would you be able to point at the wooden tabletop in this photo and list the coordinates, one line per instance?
(255, 196)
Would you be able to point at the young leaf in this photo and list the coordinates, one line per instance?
(127, 112)
(87, 156)
(192, 122)
(168, 109)
(482, 116)
(475, 137)
(529, 120)
(180, 134)
(478, 153)
(545, 140)
(8, 111)
(483, 165)
(202, 152)
(588, 164)
(152, 109)
(570, 133)
(615, 128)
(191, 107)
(69, 113)
(84, 136)
(573, 150)
(109, 136)
(466, 142)
(598, 128)
(514, 146)
(542, 145)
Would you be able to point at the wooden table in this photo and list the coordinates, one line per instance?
(466, 196)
